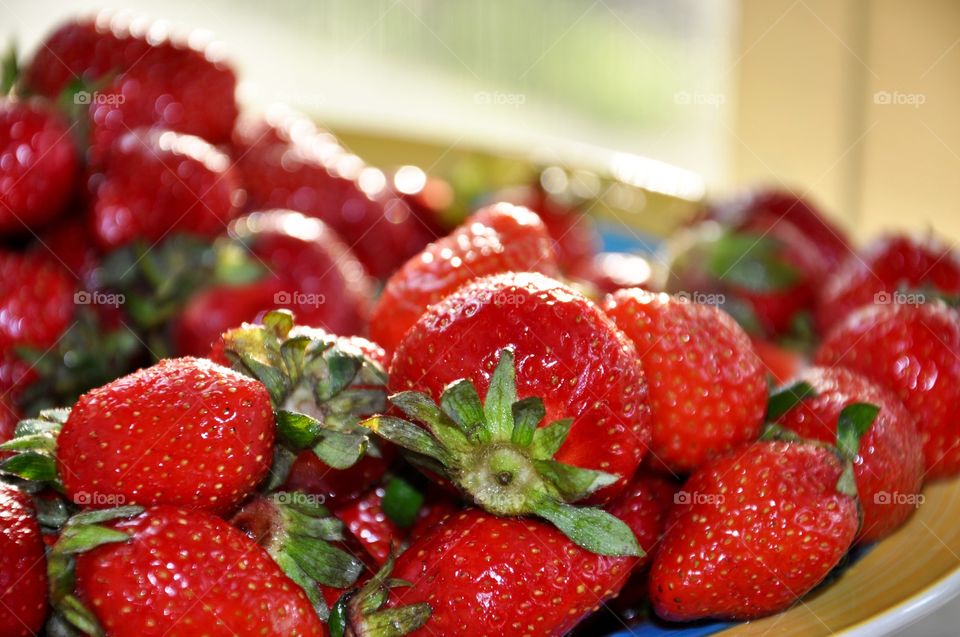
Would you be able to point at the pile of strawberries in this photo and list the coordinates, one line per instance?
(251, 386)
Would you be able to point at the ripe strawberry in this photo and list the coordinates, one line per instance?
(889, 469)
(23, 576)
(754, 531)
(38, 165)
(8, 421)
(484, 575)
(176, 81)
(708, 390)
(287, 163)
(914, 351)
(889, 267)
(573, 364)
(780, 363)
(308, 269)
(170, 571)
(71, 240)
(155, 182)
(185, 432)
(499, 238)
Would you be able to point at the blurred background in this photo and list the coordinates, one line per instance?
(850, 101)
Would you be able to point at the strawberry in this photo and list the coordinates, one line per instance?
(287, 163)
(914, 351)
(754, 531)
(893, 269)
(38, 165)
(167, 571)
(484, 575)
(154, 182)
(708, 389)
(308, 270)
(375, 531)
(8, 421)
(186, 432)
(23, 577)
(578, 430)
(612, 271)
(889, 468)
(781, 363)
(499, 238)
(176, 81)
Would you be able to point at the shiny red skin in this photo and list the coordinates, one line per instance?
(287, 163)
(438, 505)
(567, 352)
(484, 575)
(36, 308)
(752, 533)
(38, 165)
(187, 572)
(914, 351)
(889, 469)
(164, 80)
(831, 241)
(184, 432)
(23, 566)
(309, 474)
(889, 265)
(781, 363)
(495, 239)
(154, 182)
(370, 525)
(707, 387)
(9, 417)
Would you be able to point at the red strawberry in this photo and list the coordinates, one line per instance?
(156, 182)
(375, 531)
(708, 390)
(500, 238)
(71, 240)
(753, 532)
(185, 432)
(287, 163)
(38, 165)
(177, 81)
(23, 575)
(782, 205)
(437, 506)
(914, 351)
(36, 308)
(308, 270)
(484, 575)
(781, 363)
(188, 571)
(8, 421)
(612, 271)
(889, 469)
(893, 269)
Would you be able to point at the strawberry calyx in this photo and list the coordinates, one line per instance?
(496, 453)
(297, 532)
(9, 70)
(81, 533)
(34, 445)
(360, 613)
(319, 388)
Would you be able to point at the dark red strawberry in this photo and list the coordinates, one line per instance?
(782, 205)
(914, 351)
(708, 390)
(308, 270)
(484, 575)
(368, 523)
(429, 198)
(889, 468)
(168, 569)
(753, 532)
(8, 421)
(437, 505)
(499, 238)
(38, 165)
(287, 163)
(159, 78)
(186, 432)
(72, 243)
(155, 182)
(23, 574)
(567, 422)
(893, 269)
